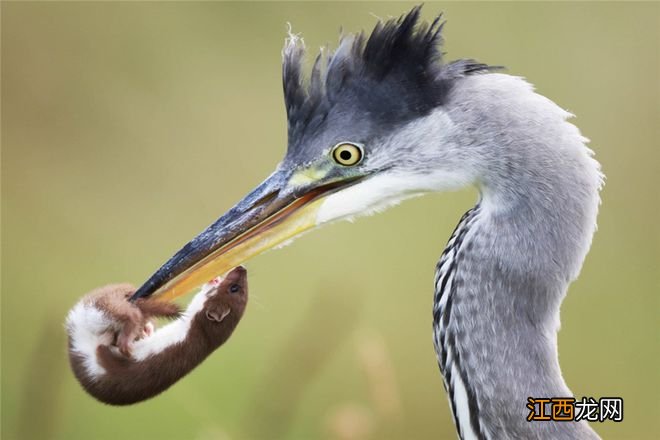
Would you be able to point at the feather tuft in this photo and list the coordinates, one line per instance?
(393, 74)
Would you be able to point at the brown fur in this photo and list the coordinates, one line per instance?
(127, 381)
(130, 317)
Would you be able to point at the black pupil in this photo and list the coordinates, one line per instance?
(234, 288)
(345, 154)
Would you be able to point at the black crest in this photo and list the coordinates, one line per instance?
(391, 76)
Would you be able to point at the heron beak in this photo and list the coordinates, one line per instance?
(271, 214)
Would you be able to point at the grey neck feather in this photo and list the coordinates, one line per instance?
(496, 317)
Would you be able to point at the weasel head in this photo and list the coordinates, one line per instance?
(228, 297)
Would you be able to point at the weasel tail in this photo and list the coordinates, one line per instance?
(120, 359)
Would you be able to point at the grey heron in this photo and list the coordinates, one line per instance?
(382, 119)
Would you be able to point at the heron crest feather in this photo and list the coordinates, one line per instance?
(393, 75)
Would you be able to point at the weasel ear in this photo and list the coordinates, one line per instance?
(217, 315)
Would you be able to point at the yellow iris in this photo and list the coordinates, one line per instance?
(347, 154)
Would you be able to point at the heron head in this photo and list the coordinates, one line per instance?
(365, 130)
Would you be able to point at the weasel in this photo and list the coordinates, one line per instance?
(120, 359)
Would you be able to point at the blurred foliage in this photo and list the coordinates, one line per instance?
(128, 127)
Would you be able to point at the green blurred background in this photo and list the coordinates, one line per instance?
(128, 127)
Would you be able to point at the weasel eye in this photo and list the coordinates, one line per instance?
(234, 288)
(347, 154)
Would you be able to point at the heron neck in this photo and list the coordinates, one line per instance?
(505, 273)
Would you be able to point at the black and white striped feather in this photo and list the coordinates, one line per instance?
(463, 402)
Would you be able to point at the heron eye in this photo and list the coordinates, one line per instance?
(347, 154)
